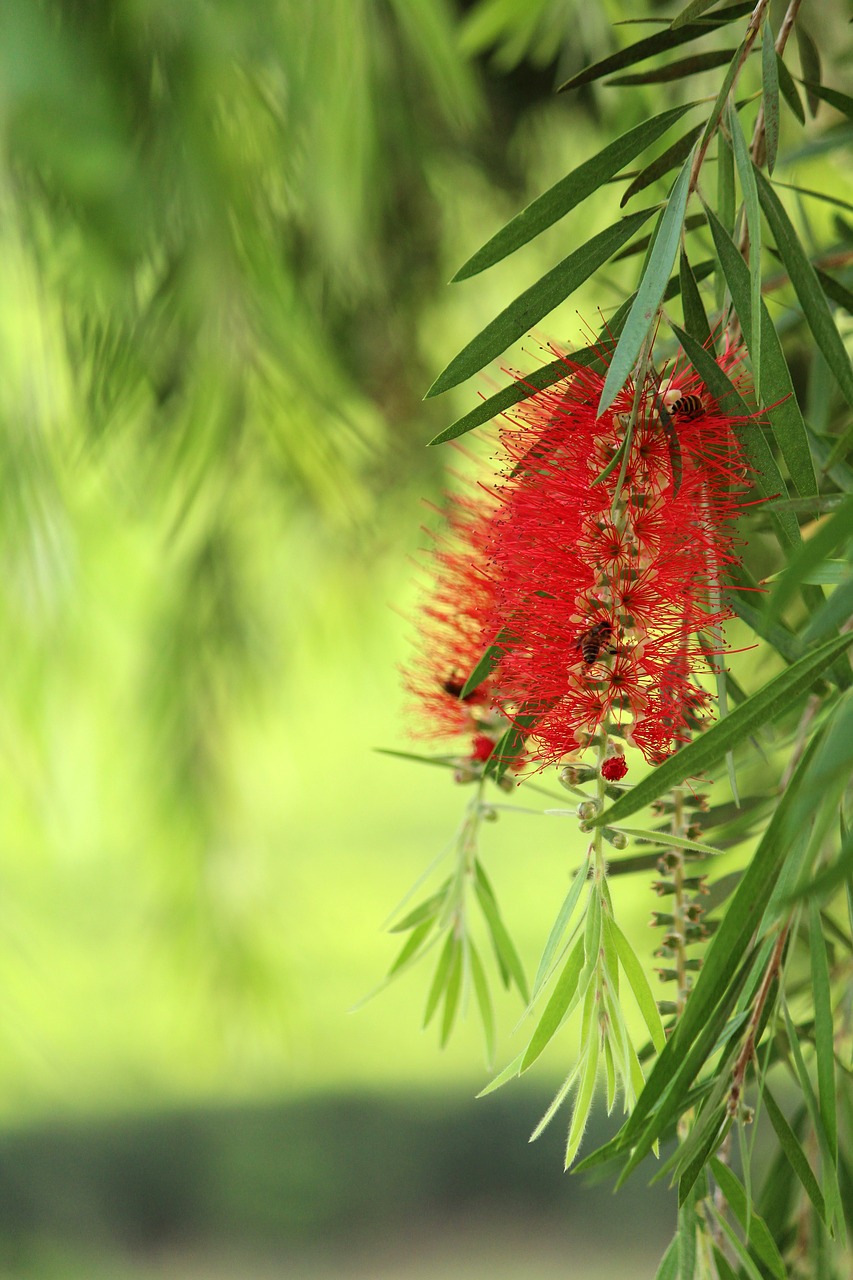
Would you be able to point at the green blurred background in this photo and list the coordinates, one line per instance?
(226, 231)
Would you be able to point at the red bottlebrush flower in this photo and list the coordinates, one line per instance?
(455, 624)
(607, 584)
(481, 748)
(614, 768)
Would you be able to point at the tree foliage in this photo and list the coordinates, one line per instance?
(755, 1043)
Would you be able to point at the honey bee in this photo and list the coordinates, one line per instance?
(595, 641)
(687, 408)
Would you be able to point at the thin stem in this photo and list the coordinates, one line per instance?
(746, 1054)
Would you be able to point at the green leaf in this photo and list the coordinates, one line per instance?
(563, 998)
(689, 12)
(807, 287)
(794, 1152)
(503, 943)
(427, 910)
(566, 194)
(649, 293)
(670, 841)
(642, 243)
(484, 1001)
(698, 756)
(639, 983)
(696, 63)
(651, 45)
(510, 746)
(488, 662)
(537, 301)
(835, 290)
(452, 992)
(583, 1102)
(739, 1247)
(776, 387)
(509, 1073)
(725, 202)
(695, 319)
(558, 929)
(439, 981)
(830, 877)
(724, 1267)
(538, 379)
(810, 61)
(831, 533)
(746, 174)
(831, 1193)
(668, 1269)
(770, 88)
(754, 1226)
(829, 617)
(768, 477)
(841, 101)
(789, 90)
(662, 164)
(723, 95)
(687, 1240)
(443, 762)
(823, 1027)
(411, 946)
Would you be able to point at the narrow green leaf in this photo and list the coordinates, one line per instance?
(789, 90)
(556, 1102)
(443, 762)
(834, 289)
(724, 1267)
(695, 318)
(768, 477)
(509, 1073)
(770, 90)
(451, 995)
(776, 387)
(725, 203)
(739, 1247)
(831, 533)
(503, 943)
(841, 101)
(670, 841)
(583, 1102)
(794, 1152)
(823, 1027)
(538, 379)
(810, 62)
(668, 1269)
(698, 756)
(831, 1192)
(537, 301)
(569, 192)
(639, 984)
(649, 293)
(723, 95)
(640, 245)
(411, 946)
(558, 929)
(807, 287)
(563, 997)
(670, 71)
(830, 877)
(689, 12)
(687, 1240)
(488, 662)
(754, 1226)
(662, 164)
(426, 910)
(439, 981)
(510, 746)
(484, 1001)
(651, 45)
(746, 175)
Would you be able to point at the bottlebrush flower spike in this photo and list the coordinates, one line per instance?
(453, 621)
(608, 579)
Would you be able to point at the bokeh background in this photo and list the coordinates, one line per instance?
(225, 233)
